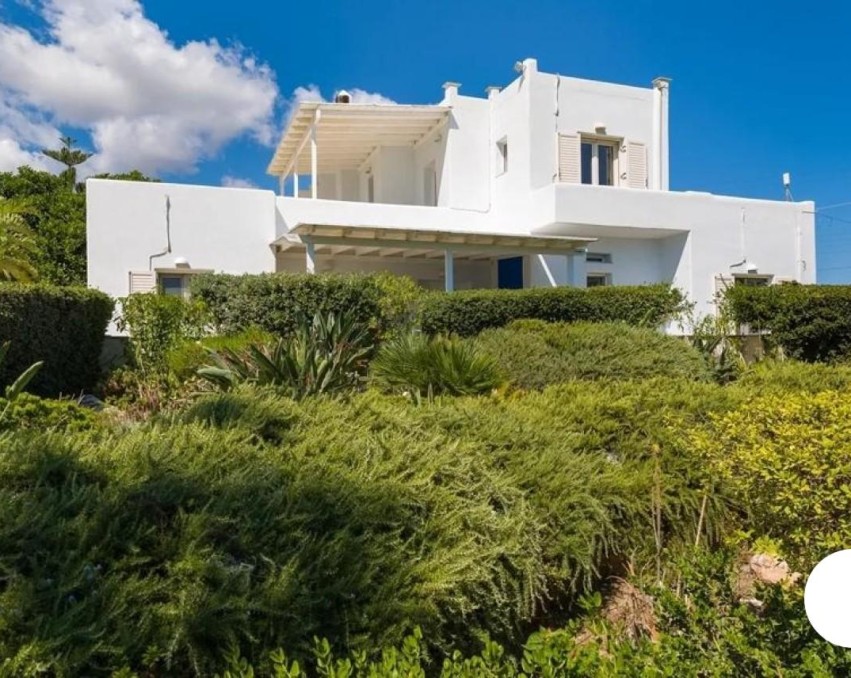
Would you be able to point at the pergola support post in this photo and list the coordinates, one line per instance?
(310, 256)
(314, 162)
(449, 269)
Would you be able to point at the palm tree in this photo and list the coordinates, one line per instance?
(70, 157)
(17, 242)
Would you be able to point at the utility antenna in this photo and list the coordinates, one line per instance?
(787, 186)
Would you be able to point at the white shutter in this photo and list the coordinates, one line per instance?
(569, 158)
(722, 284)
(143, 282)
(636, 165)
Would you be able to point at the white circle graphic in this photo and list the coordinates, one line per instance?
(827, 598)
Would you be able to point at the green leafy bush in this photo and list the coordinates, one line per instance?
(189, 355)
(326, 355)
(276, 302)
(785, 457)
(256, 522)
(534, 354)
(30, 412)
(62, 326)
(157, 323)
(810, 322)
(791, 376)
(467, 313)
(415, 364)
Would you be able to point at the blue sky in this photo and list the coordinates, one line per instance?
(759, 88)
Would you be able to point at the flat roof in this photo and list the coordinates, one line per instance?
(347, 134)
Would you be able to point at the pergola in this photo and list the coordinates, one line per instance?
(345, 137)
(426, 243)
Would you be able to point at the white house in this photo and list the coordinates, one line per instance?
(548, 181)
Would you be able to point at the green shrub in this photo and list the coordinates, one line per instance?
(415, 364)
(810, 322)
(467, 313)
(276, 302)
(786, 459)
(791, 376)
(254, 522)
(326, 355)
(33, 413)
(62, 326)
(534, 354)
(156, 324)
(189, 355)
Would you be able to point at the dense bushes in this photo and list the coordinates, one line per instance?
(31, 412)
(786, 458)
(469, 312)
(62, 326)
(534, 354)
(810, 322)
(276, 302)
(414, 364)
(256, 522)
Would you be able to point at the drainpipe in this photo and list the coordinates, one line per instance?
(660, 133)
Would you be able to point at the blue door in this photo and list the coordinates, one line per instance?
(510, 273)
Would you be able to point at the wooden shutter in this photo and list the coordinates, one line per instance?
(636, 164)
(722, 284)
(569, 158)
(143, 282)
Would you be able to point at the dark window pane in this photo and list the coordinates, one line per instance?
(172, 285)
(604, 158)
(586, 163)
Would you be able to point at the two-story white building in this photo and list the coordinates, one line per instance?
(548, 181)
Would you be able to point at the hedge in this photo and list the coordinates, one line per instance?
(534, 354)
(274, 302)
(63, 326)
(467, 313)
(810, 322)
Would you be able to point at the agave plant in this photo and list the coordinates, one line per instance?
(415, 364)
(17, 387)
(325, 355)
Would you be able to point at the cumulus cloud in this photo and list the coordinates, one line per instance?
(148, 103)
(237, 182)
(359, 96)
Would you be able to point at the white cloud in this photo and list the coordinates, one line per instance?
(148, 103)
(237, 182)
(359, 96)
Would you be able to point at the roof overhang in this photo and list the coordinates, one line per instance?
(462, 242)
(347, 134)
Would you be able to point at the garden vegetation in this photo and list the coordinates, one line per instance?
(357, 478)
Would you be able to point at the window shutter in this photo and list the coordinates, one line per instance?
(569, 153)
(143, 282)
(636, 165)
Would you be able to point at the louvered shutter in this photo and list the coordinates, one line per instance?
(636, 165)
(143, 282)
(722, 284)
(569, 158)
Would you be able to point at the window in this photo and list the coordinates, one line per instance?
(598, 160)
(174, 285)
(502, 156)
(598, 257)
(598, 280)
(752, 280)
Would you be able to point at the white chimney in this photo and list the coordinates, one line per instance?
(450, 91)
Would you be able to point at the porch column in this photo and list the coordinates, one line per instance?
(310, 256)
(314, 162)
(281, 180)
(577, 268)
(295, 182)
(449, 270)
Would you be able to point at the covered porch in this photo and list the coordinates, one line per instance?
(447, 259)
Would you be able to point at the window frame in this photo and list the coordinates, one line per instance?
(753, 279)
(606, 278)
(595, 141)
(598, 257)
(183, 273)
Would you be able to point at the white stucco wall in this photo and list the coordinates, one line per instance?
(652, 235)
(223, 229)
